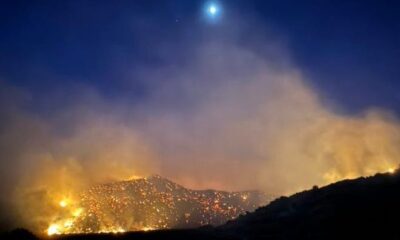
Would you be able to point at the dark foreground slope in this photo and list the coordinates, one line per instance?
(364, 208)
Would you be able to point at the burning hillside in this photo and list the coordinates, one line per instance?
(150, 203)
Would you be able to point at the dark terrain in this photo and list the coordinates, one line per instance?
(364, 208)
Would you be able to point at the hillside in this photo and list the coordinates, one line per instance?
(364, 208)
(152, 203)
(351, 209)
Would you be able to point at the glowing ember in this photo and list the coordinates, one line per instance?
(147, 229)
(112, 230)
(68, 224)
(77, 212)
(391, 170)
(135, 177)
(63, 203)
(148, 204)
(152, 203)
(53, 229)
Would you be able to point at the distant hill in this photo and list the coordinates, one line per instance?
(363, 208)
(157, 203)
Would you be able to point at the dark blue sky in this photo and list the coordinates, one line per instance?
(349, 50)
(275, 95)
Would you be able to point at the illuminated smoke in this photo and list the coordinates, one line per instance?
(228, 118)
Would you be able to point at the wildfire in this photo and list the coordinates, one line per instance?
(112, 230)
(53, 229)
(61, 227)
(77, 212)
(135, 177)
(148, 204)
(63, 203)
(66, 224)
(391, 170)
(335, 176)
(147, 229)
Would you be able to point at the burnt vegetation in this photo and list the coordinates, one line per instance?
(363, 208)
(156, 203)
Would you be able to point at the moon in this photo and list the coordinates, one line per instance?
(213, 10)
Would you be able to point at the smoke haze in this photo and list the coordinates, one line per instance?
(224, 116)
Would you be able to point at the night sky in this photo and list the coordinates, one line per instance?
(348, 49)
(275, 96)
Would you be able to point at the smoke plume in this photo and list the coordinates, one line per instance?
(231, 113)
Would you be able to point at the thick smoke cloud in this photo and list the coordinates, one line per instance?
(254, 122)
(227, 114)
(47, 159)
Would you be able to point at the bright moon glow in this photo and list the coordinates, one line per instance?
(212, 9)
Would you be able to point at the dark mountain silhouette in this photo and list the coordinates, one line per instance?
(363, 208)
